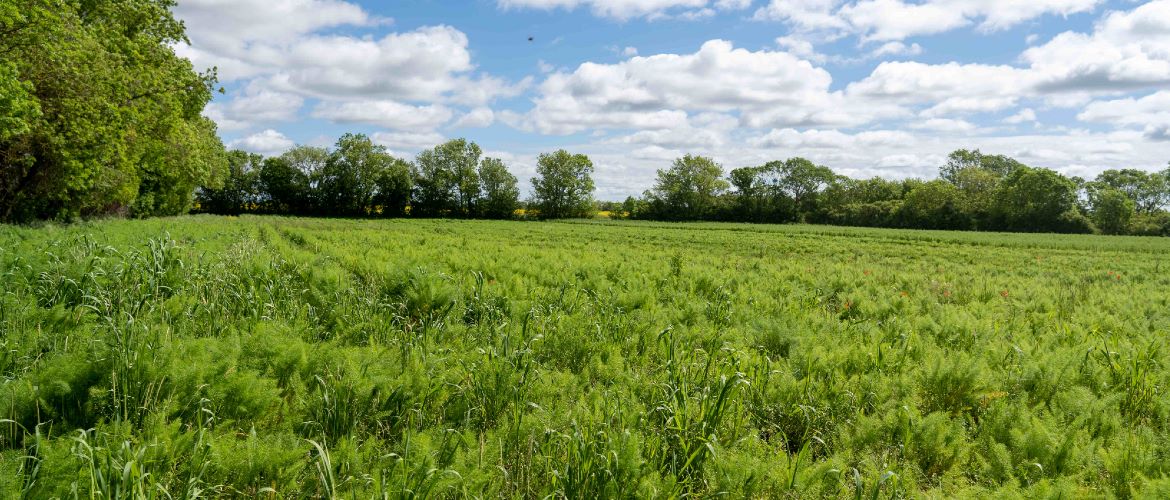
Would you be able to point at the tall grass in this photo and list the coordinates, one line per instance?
(251, 357)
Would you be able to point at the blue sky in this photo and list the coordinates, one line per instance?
(867, 87)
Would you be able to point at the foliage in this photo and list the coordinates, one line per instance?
(500, 192)
(563, 186)
(229, 357)
(975, 191)
(1033, 199)
(99, 115)
(239, 190)
(689, 190)
(350, 178)
(1112, 210)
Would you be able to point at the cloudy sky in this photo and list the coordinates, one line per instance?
(867, 87)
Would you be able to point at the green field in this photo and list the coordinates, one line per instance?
(288, 358)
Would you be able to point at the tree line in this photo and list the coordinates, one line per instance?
(974, 191)
(357, 177)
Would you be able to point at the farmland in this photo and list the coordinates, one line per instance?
(208, 357)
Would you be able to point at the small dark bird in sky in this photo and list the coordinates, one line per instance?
(531, 39)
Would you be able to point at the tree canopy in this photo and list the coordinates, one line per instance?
(563, 186)
(98, 114)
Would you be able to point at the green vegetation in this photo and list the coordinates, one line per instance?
(360, 178)
(974, 191)
(259, 357)
(98, 115)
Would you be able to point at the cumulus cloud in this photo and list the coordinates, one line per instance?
(268, 143)
(629, 9)
(282, 52)
(804, 15)
(476, 118)
(896, 49)
(657, 91)
(387, 114)
(256, 105)
(1025, 115)
(945, 125)
(1151, 112)
(1126, 50)
(400, 142)
(885, 20)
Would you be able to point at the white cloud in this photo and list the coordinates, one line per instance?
(629, 9)
(283, 51)
(657, 91)
(800, 47)
(895, 20)
(1025, 115)
(1151, 113)
(813, 139)
(742, 106)
(1126, 50)
(268, 143)
(227, 25)
(805, 15)
(945, 125)
(400, 142)
(476, 118)
(256, 105)
(1002, 14)
(793, 139)
(241, 36)
(384, 113)
(423, 64)
(886, 20)
(705, 131)
(896, 49)
(969, 105)
(911, 82)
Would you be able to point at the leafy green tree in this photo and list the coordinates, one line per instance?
(501, 194)
(434, 193)
(448, 180)
(689, 189)
(19, 109)
(934, 205)
(977, 189)
(787, 191)
(240, 191)
(395, 184)
(99, 114)
(1149, 191)
(563, 186)
(963, 159)
(1036, 199)
(286, 189)
(349, 179)
(748, 201)
(309, 161)
(462, 159)
(802, 180)
(1112, 211)
(867, 202)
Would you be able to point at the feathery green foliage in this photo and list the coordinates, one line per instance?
(229, 357)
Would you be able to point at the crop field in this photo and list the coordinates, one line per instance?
(261, 357)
